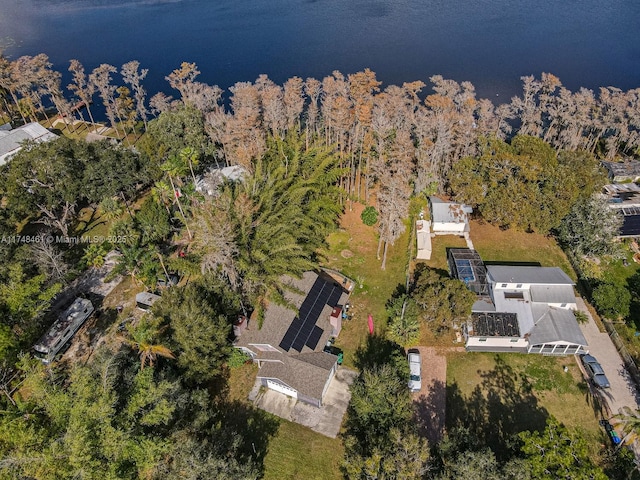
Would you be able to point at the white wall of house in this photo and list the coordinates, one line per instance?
(511, 286)
(448, 228)
(330, 377)
(500, 342)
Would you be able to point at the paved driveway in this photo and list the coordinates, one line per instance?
(622, 392)
(430, 402)
(326, 420)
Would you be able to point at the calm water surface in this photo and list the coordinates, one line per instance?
(488, 42)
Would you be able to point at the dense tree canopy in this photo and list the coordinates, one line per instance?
(591, 227)
(52, 180)
(557, 453)
(199, 328)
(442, 300)
(524, 184)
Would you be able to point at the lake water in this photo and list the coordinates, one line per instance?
(488, 42)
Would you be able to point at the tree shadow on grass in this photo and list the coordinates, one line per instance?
(377, 351)
(246, 430)
(497, 409)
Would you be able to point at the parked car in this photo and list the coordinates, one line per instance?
(415, 380)
(595, 371)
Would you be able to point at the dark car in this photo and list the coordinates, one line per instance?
(595, 372)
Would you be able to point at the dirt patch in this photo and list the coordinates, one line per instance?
(346, 253)
(360, 239)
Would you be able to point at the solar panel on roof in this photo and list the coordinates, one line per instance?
(290, 334)
(303, 333)
(315, 337)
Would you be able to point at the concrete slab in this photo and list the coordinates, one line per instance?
(325, 420)
(622, 391)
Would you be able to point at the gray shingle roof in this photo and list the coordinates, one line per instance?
(527, 274)
(278, 318)
(307, 372)
(552, 294)
(11, 141)
(557, 325)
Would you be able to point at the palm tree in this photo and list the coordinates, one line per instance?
(190, 155)
(281, 215)
(175, 167)
(111, 208)
(630, 421)
(162, 194)
(143, 337)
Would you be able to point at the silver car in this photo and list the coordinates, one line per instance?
(595, 371)
(415, 381)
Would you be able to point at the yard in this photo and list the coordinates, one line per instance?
(510, 246)
(352, 251)
(497, 395)
(295, 451)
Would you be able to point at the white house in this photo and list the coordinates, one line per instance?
(449, 218)
(526, 309)
(11, 140)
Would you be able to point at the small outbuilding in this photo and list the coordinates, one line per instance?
(626, 170)
(449, 218)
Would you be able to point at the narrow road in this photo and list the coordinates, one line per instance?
(623, 391)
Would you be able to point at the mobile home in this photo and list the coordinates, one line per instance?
(63, 330)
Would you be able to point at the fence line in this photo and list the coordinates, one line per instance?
(628, 360)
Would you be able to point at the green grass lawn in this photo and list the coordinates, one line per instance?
(352, 251)
(298, 453)
(496, 245)
(295, 452)
(501, 394)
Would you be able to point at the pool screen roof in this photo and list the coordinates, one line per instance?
(466, 265)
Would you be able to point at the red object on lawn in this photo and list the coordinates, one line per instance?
(370, 324)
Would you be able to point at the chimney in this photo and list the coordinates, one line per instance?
(240, 325)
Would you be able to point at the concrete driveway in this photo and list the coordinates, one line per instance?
(622, 392)
(326, 420)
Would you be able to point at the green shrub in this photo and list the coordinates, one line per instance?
(612, 301)
(369, 216)
(237, 358)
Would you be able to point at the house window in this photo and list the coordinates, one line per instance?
(563, 305)
(482, 339)
(519, 295)
(514, 340)
(519, 285)
(504, 285)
